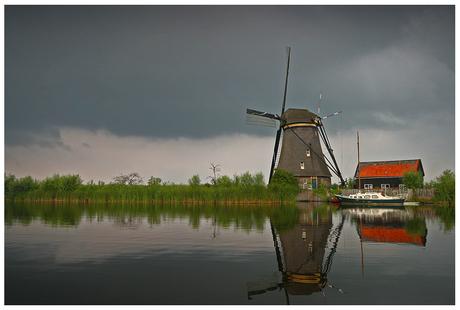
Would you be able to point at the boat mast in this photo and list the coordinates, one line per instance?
(359, 164)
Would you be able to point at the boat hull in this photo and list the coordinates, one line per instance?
(373, 202)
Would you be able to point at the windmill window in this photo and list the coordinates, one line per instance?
(308, 152)
(302, 166)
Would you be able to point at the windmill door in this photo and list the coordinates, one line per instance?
(313, 182)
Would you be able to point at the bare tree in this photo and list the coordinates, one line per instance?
(129, 179)
(215, 169)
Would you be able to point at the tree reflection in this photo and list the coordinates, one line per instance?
(129, 222)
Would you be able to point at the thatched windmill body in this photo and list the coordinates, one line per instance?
(300, 131)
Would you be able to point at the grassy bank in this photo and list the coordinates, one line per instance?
(243, 189)
(164, 194)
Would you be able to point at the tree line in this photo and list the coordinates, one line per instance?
(244, 187)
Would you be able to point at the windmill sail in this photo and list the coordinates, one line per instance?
(325, 139)
(259, 118)
(278, 134)
(275, 153)
(327, 144)
(278, 154)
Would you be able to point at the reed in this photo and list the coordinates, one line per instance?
(163, 193)
(242, 189)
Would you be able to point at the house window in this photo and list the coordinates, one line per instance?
(302, 166)
(308, 153)
(384, 185)
(367, 186)
(402, 185)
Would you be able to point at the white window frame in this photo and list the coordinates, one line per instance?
(368, 186)
(302, 165)
(384, 185)
(308, 153)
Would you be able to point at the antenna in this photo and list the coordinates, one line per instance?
(319, 106)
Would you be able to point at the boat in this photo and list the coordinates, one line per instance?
(371, 198)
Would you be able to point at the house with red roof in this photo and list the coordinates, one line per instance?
(385, 174)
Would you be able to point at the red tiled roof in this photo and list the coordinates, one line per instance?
(392, 170)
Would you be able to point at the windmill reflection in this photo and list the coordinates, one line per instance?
(305, 252)
(300, 254)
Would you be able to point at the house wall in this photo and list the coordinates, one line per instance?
(377, 182)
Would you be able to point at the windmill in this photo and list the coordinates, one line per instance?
(298, 133)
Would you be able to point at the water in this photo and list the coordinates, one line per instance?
(305, 254)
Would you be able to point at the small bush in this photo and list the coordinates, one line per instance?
(194, 180)
(445, 187)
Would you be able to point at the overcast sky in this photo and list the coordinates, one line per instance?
(163, 90)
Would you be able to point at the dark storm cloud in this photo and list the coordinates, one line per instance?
(181, 71)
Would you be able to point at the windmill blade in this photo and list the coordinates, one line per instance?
(259, 118)
(260, 113)
(278, 134)
(288, 54)
(335, 169)
(275, 152)
(330, 115)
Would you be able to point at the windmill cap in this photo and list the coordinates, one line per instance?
(293, 116)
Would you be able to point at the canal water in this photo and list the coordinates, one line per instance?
(299, 254)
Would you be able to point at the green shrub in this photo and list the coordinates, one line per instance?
(412, 179)
(284, 178)
(224, 181)
(15, 188)
(194, 180)
(70, 182)
(445, 186)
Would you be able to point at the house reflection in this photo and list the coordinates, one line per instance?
(387, 224)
